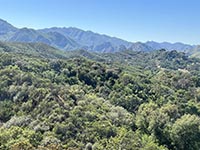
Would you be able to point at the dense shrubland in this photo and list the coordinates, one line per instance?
(142, 101)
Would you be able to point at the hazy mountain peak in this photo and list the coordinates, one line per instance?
(4, 22)
(5, 27)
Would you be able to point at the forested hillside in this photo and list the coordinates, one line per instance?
(126, 100)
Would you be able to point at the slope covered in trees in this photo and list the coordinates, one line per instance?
(126, 100)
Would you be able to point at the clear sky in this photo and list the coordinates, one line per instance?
(132, 20)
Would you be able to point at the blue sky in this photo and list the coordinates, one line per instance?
(132, 20)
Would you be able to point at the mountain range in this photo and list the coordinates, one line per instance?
(73, 38)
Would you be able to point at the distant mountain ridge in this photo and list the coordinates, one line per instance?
(73, 38)
(90, 40)
(170, 46)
